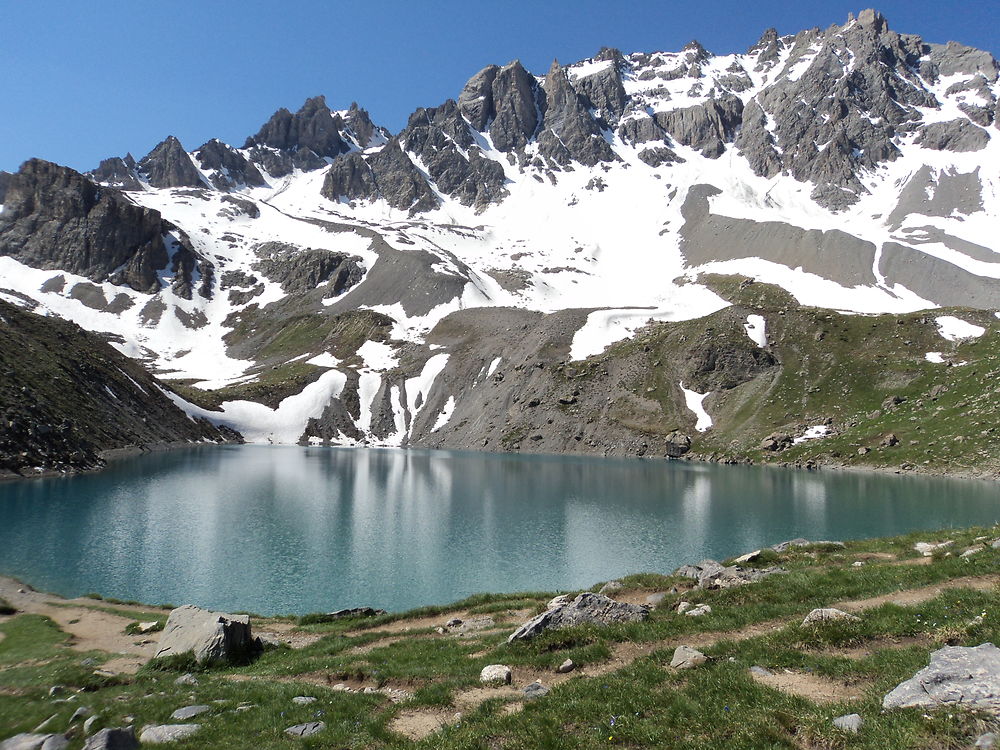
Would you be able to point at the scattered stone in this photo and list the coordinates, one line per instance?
(713, 575)
(56, 742)
(147, 627)
(189, 712)
(534, 690)
(655, 600)
(496, 674)
(474, 624)
(683, 607)
(988, 740)
(48, 722)
(849, 723)
(453, 623)
(928, 548)
(89, 723)
(827, 614)
(800, 542)
(969, 676)
(159, 734)
(558, 601)
(611, 587)
(303, 700)
(700, 610)
(116, 738)
(356, 612)
(686, 657)
(587, 608)
(677, 444)
(857, 564)
(186, 679)
(566, 666)
(59, 689)
(760, 671)
(972, 550)
(342, 688)
(211, 636)
(889, 441)
(81, 713)
(28, 741)
(306, 730)
(747, 558)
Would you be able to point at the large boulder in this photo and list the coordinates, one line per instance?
(112, 739)
(586, 609)
(210, 636)
(960, 675)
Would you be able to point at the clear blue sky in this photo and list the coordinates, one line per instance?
(84, 80)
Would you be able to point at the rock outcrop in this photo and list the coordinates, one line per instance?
(956, 676)
(229, 169)
(587, 608)
(56, 218)
(169, 166)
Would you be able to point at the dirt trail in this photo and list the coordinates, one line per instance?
(910, 597)
(89, 629)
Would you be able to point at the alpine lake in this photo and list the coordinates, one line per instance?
(293, 530)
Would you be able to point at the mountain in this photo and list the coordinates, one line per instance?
(483, 277)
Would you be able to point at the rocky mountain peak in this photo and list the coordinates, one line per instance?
(169, 166)
(228, 168)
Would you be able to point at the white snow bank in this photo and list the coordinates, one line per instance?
(694, 403)
(935, 357)
(812, 433)
(445, 415)
(261, 424)
(956, 329)
(324, 360)
(378, 356)
(756, 328)
(418, 388)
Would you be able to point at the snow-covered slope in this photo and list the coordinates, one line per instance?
(855, 167)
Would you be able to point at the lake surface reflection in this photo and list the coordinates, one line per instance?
(289, 529)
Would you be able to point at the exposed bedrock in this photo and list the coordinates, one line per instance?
(56, 218)
(937, 280)
(169, 166)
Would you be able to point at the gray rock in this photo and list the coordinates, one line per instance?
(24, 741)
(849, 723)
(698, 611)
(388, 174)
(827, 614)
(760, 671)
(587, 608)
(655, 600)
(117, 173)
(112, 739)
(60, 689)
(306, 730)
(988, 740)
(56, 742)
(476, 100)
(303, 700)
(89, 723)
(611, 587)
(311, 134)
(566, 666)
(186, 679)
(534, 690)
(686, 657)
(677, 444)
(81, 713)
(210, 636)
(160, 734)
(955, 135)
(228, 168)
(189, 712)
(48, 723)
(303, 269)
(169, 166)
(496, 674)
(514, 115)
(569, 132)
(956, 675)
(54, 217)
(706, 127)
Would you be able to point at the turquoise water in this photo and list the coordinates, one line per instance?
(294, 530)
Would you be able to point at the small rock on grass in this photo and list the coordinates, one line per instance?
(159, 734)
(655, 600)
(849, 723)
(306, 730)
(760, 671)
(188, 712)
(988, 740)
(89, 723)
(701, 609)
(611, 587)
(113, 739)
(686, 657)
(303, 700)
(35, 742)
(186, 679)
(826, 614)
(534, 690)
(496, 674)
(566, 666)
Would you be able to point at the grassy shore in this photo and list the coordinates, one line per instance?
(398, 681)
